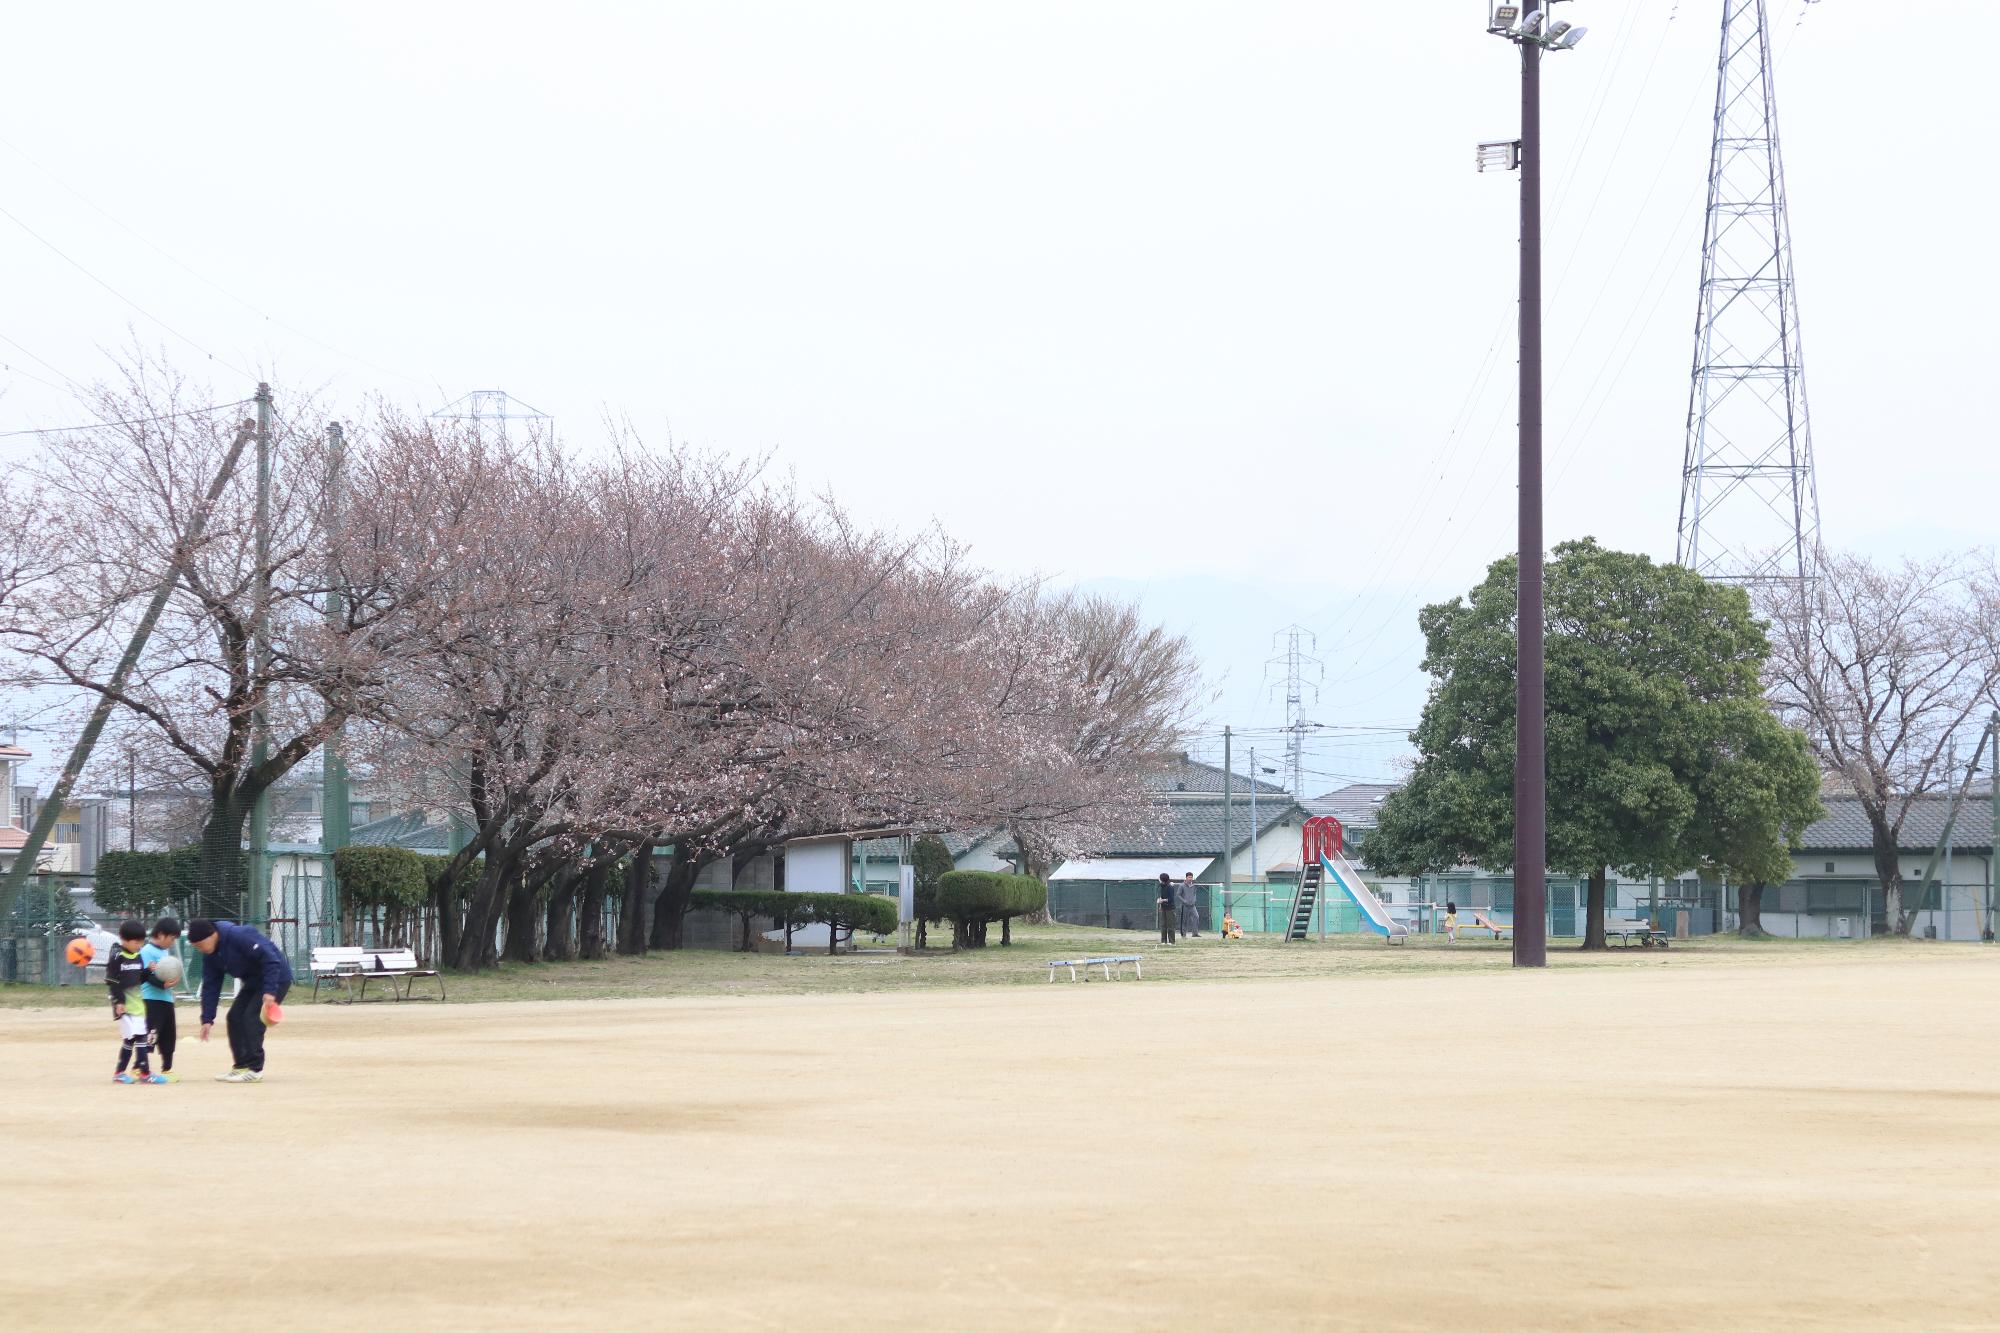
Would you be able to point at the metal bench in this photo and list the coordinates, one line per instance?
(334, 966)
(1107, 962)
(1625, 930)
(393, 964)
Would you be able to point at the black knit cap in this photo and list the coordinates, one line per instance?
(200, 929)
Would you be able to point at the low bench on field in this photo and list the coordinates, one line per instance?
(1625, 930)
(1107, 962)
(349, 969)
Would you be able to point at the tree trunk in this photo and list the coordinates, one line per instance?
(560, 915)
(1006, 931)
(1889, 868)
(524, 919)
(590, 912)
(477, 940)
(222, 878)
(1593, 918)
(671, 906)
(444, 902)
(1750, 912)
(635, 920)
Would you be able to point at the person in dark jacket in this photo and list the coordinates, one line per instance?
(265, 974)
(1166, 908)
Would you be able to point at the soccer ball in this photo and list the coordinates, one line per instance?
(168, 969)
(79, 951)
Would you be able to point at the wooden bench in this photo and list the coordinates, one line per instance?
(1107, 962)
(334, 966)
(393, 964)
(1625, 930)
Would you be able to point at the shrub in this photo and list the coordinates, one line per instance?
(434, 868)
(140, 884)
(931, 860)
(382, 876)
(870, 913)
(972, 899)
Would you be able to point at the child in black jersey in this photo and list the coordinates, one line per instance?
(124, 973)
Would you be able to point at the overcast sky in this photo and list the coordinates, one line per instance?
(1199, 303)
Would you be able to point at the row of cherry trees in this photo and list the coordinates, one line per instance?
(584, 657)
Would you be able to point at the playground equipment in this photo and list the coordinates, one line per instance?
(1323, 865)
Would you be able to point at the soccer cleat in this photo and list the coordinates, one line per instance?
(122, 1077)
(156, 1078)
(169, 1076)
(231, 1076)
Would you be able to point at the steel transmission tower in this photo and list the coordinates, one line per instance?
(1749, 505)
(490, 406)
(1302, 675)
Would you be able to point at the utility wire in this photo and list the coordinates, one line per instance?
(133, 421)
(60, 253)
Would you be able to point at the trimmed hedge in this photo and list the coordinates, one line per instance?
(868, 913)
(137, 884)
(468, 874)
(971, 899)
(382, 876)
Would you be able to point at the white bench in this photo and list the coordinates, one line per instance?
(1626, 929)
(391, 964)
(1107, 962)
(335, 967)
(340, 967)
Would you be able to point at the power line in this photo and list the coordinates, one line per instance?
(199, 276)
(133, 421)
(65, 257)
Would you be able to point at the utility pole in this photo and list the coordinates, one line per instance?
(1228, 831)
(1951, 775)
(1993, 834)
(334, 821)
(1254, 825)
(132, 801)
(257, 894)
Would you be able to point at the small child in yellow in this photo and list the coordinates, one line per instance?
(1451, 922)
(1230, 930)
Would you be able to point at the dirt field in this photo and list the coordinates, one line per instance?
(1671, 1144)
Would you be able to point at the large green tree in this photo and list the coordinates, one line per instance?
(1662, 757)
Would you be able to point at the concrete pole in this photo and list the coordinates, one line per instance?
(335, 822)
(1993, 834)
(1530, 763)
(257, 894)
(1228, 832)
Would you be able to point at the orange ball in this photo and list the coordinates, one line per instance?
(80, 951)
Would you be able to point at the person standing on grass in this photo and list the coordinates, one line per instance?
(1451, 922)
(1166, 908)
(1190, 908)
(264, 974)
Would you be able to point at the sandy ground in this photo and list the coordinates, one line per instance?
(1807, 1146)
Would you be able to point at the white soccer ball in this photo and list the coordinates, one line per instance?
(168, 969)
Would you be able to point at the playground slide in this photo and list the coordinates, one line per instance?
(1342, 872)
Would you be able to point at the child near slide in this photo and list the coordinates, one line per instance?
(124, 973)
(160, 999)
(1451, 922)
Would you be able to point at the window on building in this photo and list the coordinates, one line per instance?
(69, 833)
(1829, 867)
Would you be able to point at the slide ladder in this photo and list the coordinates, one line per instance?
(1302, 906)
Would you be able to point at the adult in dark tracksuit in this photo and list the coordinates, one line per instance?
(265, 974)
(1167, 911)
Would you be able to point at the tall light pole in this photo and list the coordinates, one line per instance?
(1533, 33)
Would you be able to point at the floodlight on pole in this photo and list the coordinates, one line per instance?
(1531, 791)
(1503, 154)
